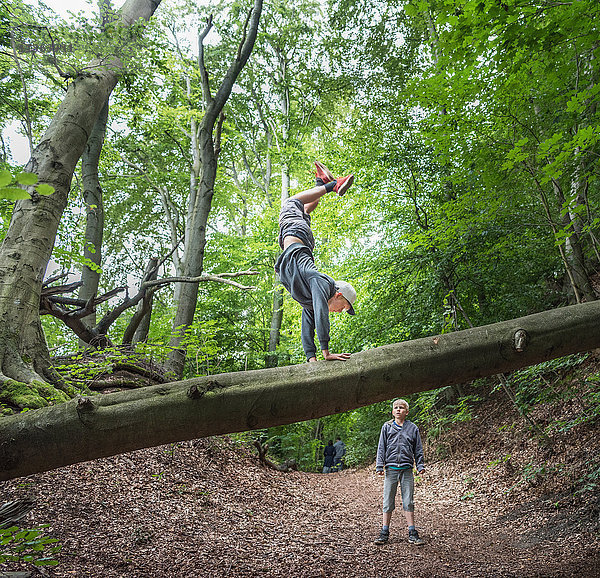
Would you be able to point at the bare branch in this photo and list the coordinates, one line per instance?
(201, 64)
(220, 278)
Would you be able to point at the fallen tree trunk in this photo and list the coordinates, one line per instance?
(94, 427)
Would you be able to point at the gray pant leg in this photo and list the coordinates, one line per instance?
(390, 487)
(407, 489)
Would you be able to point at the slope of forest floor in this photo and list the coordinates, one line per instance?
(498, 503)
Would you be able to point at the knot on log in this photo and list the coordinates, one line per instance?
(85, 405)
(195, 392)
(520, 339)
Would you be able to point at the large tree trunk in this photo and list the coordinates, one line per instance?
(95, 427)
(27, 248)
(205, 153)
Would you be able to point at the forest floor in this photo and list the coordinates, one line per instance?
(493, 506)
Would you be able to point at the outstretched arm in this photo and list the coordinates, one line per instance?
(320, 293)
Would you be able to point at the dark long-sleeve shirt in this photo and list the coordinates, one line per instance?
(312, 289)
(329, 454)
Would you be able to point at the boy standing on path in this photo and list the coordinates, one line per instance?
(318, 293)
(399, 449)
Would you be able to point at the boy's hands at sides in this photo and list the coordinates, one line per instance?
(380, 473)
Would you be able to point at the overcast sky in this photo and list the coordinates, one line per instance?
(63, 7)
(17, 144)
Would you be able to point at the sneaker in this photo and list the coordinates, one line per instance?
(413, 538)
(383, 538)
(343, 184)
(323, 173)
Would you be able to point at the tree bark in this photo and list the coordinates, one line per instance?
(139, 325)
(574, 250)
(275, 329)
(202, 183)
(28, 244)
(94, 226)
(94, 427)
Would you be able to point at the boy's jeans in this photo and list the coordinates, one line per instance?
(390, 487)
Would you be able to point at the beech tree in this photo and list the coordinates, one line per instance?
(92, 427)
(205, 137)
(28, 244)
(184, 123)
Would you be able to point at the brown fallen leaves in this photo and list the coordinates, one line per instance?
(208, 509)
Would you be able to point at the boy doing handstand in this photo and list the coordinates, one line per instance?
(318, 293)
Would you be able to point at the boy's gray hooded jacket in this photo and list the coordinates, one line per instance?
(400, 449)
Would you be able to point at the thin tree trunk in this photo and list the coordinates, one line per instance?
(202, 183)
(193, 260)
(573, 249)
(99, 426)
(278, 293)
(275, 329)
(94, 227)
(139, 325)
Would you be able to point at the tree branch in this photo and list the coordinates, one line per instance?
(206, 96)
(219, 278)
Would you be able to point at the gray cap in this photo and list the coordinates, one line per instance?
(348, 292)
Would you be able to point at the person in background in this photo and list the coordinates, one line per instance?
(340, 452)
(329, 453)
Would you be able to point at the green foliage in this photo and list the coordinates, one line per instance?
(533, 385)
(202, 347)
(298, 441)
(590, 481)
(499, 461)
(361, 429)
(81, 369)
(11, 192)
(438, 410)
(30, 546)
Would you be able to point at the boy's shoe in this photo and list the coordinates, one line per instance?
(383, 538)
(323, 173)
(343, 184)
(413, 538)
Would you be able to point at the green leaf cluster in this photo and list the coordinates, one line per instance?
(9, 190)
(31, 546)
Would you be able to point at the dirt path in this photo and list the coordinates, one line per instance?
(471, 539)
(206, 509)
